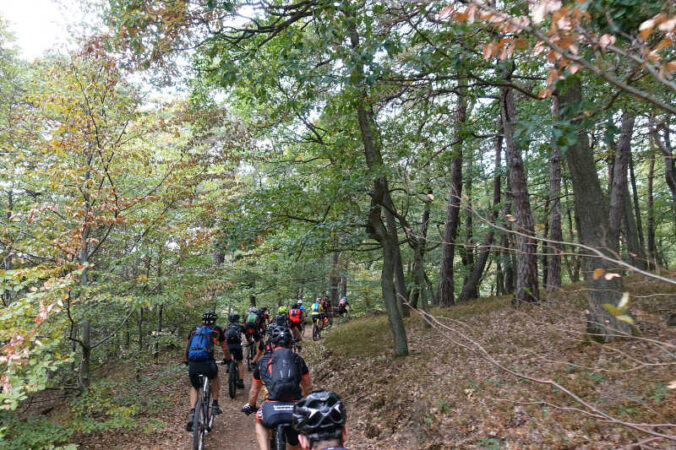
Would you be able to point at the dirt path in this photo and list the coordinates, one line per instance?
(232, 430)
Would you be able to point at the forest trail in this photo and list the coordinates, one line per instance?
(232, 430)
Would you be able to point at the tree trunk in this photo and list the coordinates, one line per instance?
(527, 274)
(669, 159)
(637, 208)
(553, 280)
(619, 179)
(652, 249)
(544, 244)
(467, 250)
(593, 218)
(399, 278)
(471, 287)
(343, 283)
(334, 279)
(139, 324)
(86, 327)
(419, 245)
(379, 197)
(447, 286)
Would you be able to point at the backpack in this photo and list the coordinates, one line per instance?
(342, 302)
(233, 334)
(252, 318)
(201, 346)
(281, 320)
(294, 315)
(282, 376)
(316, 307)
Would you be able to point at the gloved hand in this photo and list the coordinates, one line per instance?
(248, 409)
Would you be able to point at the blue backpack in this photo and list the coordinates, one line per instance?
(201, 344)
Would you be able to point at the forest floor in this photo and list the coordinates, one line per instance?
(445, 396)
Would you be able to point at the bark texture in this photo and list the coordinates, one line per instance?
(593, 220)
(471, 287)
(447, 286)
(527, 275)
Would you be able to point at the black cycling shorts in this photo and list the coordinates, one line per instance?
(294, 325)
(341, 311)
(271, 414)
(252, 330)
(196, 368)
(236, 352)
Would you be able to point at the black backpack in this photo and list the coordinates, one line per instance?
(282, 320)
(282, 376)
(233, 335)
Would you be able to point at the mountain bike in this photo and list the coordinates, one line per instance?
(250, 354)
(278, 437)
(233, 377)
(316, 330)
(203, 420)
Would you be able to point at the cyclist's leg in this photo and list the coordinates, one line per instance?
(215, 381)
(262, 434)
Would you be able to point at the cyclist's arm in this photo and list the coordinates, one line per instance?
(305, 384)
(256, 385)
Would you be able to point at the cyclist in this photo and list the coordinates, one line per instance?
(320, 419)
(233, 337)
(327, 310)
(204, 365)
(264, 318)
(317, 311)
(252, 326)
(343, 306)
(282, 317)
(295, 319)
(286, 378)
(303, 315)
(264, 345)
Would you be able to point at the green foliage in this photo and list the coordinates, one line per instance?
(34, 433)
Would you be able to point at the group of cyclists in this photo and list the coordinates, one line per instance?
(317, 416)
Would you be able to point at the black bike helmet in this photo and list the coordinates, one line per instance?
(233, 318)
(209, 317)
(280, 336)
(320, 416)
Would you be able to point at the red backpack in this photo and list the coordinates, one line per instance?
(294, 315)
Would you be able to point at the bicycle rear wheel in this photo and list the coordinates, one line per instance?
(197, 429)
(250, 355)
(232, 379)
(316, 334)
(279, 438)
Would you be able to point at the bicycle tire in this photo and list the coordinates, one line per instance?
(232, 379)
(250, 355)
(197, 432)
(279, 437)
(316, 333)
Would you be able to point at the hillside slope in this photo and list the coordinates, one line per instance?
(446, 396)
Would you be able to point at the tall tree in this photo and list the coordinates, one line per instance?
(553, 280)
(591, 210)
(526, 272)
(447, 283)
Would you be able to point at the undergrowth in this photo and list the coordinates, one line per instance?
(120, 401)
